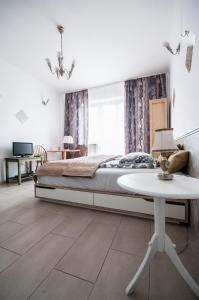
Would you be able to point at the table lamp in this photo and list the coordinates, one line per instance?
(68, 139)
(165, 144)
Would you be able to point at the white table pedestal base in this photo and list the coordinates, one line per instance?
(162, 243)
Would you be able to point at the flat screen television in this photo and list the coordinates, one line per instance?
(22, 149)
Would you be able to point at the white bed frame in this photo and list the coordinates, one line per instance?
(136, 205)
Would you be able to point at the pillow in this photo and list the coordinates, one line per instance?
(137, 157)
(178, 160)
(114, 163)
(133, 154)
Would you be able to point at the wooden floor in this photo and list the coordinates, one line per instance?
(51, 251)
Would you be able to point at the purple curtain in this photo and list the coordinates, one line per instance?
(138, 93)
(76, 117)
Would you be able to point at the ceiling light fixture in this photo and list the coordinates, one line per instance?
(60, 71)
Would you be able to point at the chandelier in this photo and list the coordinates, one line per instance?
(60, 70)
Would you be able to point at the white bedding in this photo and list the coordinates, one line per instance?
(104, 179)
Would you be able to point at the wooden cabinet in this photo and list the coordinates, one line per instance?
(158, 116)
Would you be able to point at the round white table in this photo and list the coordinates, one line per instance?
(181, 187)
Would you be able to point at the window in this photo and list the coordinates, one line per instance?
(106, 118)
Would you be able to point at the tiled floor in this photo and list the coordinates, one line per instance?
(50, 251)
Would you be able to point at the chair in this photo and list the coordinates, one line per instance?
(83, 150)
(39, 150)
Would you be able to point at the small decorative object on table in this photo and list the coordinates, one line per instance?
(164, 143)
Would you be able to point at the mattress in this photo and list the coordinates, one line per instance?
(104, 180)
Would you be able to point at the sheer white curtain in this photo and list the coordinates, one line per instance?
(106, 118)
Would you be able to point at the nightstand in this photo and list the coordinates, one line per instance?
(181, 187)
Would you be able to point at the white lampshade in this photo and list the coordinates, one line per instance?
(164, 140)
(68, 139)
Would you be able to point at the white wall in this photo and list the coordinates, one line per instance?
(20, 91)
(185, 112)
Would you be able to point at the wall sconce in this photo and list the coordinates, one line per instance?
(45, 102)
(186, 33)
(168, 47)
(189, 41)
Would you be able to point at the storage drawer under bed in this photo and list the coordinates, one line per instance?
(138, 205)
(65, 195)
(176, 210)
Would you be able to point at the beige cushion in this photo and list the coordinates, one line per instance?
(178, 161)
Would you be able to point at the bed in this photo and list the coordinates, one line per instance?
(102, 192)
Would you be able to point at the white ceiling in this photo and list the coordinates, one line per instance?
(111, 40)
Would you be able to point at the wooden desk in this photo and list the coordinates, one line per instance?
(19, 161)
(64, 152)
